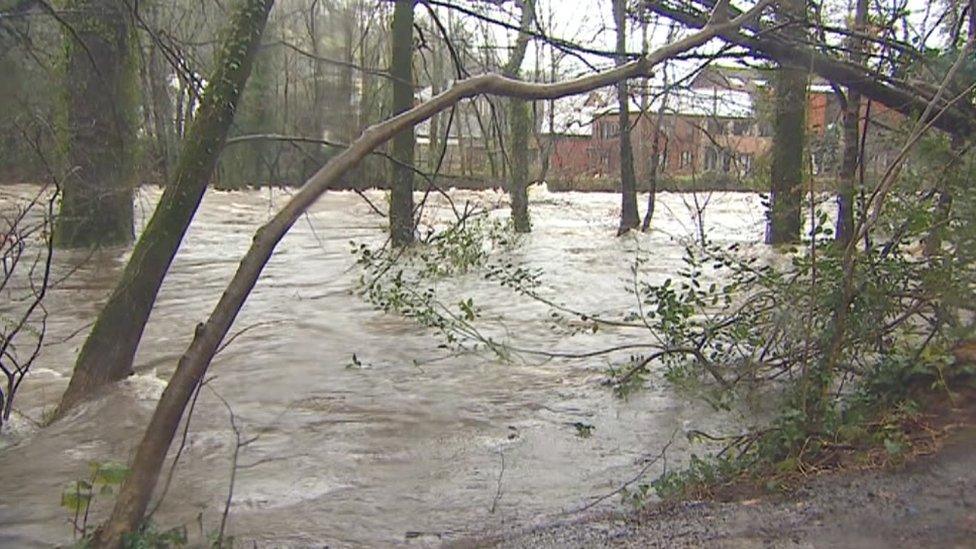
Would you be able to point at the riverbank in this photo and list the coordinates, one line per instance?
(928, 502)
(705, 183)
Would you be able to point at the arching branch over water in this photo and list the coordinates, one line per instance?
(134, 496)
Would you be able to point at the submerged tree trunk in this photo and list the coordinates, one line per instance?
(629, 217)
(786, 171)
(134, 494)
(519, 127)
(101, 116)
(108, 352)
(401, 69)
(852, 135)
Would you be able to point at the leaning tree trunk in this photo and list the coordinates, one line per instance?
(629, 218)
(786, 171)
(134, 494)
(401, 70)
(519, 127)
(108, 352)
(99, 139)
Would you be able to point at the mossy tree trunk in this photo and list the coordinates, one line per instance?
(786, 170)
(519, 128)
(108, 352)
(100, 120)
(629, 217)
(401, 69)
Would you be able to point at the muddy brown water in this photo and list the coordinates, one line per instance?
(416, 446)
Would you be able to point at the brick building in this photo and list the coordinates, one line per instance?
(715, 125)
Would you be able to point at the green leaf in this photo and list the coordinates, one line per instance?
(111, 474)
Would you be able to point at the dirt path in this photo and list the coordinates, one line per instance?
(929, 503)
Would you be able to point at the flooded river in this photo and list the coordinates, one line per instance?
(413, 447)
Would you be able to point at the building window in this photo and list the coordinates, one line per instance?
(714, 127)
(745, 163)
(711, 159)
(685, 159)
(740, 127)
(609, 130)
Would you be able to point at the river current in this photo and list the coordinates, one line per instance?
(406, 444)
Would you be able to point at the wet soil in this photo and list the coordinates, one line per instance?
(930, 502)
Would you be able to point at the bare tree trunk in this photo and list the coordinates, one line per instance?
(519, 127)
(629, 218)
(786, 172)
(102, 116)
(162, 106)
(180, 119)
(401, 69)
(655, 165)
(656, 136)
(149, 455)
(849, 167)
(852, 136)
(318, 77)
(436, 86)
(347, 89)
(108, 352)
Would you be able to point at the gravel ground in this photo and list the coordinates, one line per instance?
(928, 503)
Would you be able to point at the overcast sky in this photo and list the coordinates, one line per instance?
(590, 23)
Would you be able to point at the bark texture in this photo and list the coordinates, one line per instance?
(108, 352)
(851, 160)
(100, 120)
(786, 170)
(629, 217)
(401, 69)
(519, 127)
